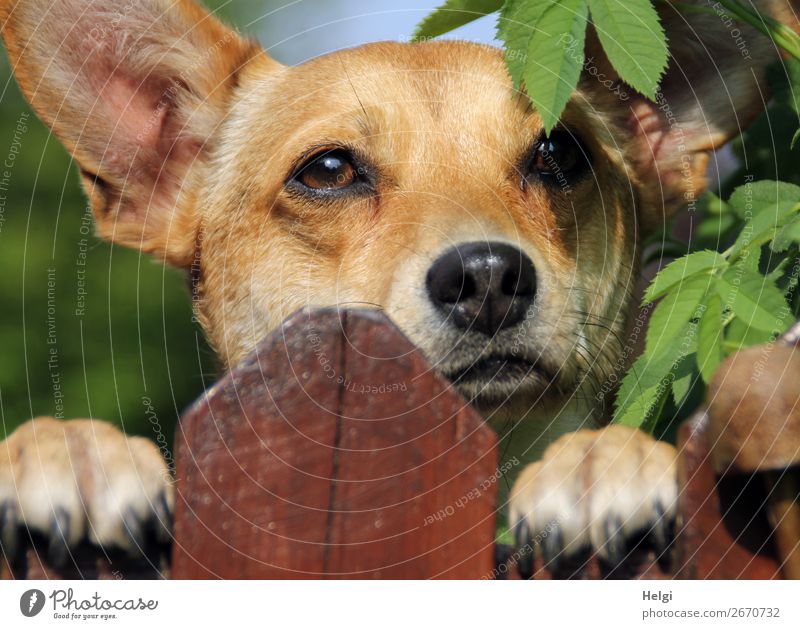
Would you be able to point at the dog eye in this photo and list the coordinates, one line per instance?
(333, 170)
(558, 158)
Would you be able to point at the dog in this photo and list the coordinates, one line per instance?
(411, 177)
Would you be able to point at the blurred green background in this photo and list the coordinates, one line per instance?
(134, 346)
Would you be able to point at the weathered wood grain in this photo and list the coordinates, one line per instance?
(334, 451)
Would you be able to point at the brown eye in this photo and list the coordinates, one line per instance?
(332, 171)
(559, 157)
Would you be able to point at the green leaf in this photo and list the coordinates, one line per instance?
(515, 27)
(555, 57)
(753, 299)
(751, 198)
(669, 323)
(739, 335)
(788, 234)
(633, 40)
(455, 13)
(777, 273)
(638, 411)
(795, 137)
(764, 225)
(713, 229)
(681, 269)
(751, 258)
(685, 376)
(648, 380)
(709, 337)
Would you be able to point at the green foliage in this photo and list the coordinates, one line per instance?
(714, 303)
(554, 56)
(633, 39)
(455, 13)
(544, 43)
(737, 285)
(681, 269)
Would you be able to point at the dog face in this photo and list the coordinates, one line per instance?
(409, 179)
(406, 177)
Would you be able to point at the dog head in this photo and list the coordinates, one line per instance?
(409, 177)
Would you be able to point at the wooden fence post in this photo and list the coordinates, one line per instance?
(322, 455)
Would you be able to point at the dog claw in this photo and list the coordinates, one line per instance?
(9, 529)
(525, 562)
(58, 547)
(663, 530)
(133, 527)
(521, 533)
(615, 548)
(164, 519)
(553, 548)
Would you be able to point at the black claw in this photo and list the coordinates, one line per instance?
(134, 529)
(164, 520)
(502, 553)
(58, 547)
(525, 566)
(553, 548)
(522, 533)
(9, 530)
(662, 536)
(659, 534)
(616, 549)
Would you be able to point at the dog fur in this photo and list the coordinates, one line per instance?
(186, 135)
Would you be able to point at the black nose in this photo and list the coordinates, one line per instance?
(483, 286)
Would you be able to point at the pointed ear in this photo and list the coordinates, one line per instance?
(714, 87)
(135, 91)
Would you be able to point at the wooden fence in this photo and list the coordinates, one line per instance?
(335, 451)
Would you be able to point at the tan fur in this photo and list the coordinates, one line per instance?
(186, 134)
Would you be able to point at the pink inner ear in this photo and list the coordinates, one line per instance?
(652, 132)
(144, 142)
(134, 114)
(136, 110)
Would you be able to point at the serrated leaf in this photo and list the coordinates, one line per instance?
(682, 269)
(669, 323)
(709, 337)
(753, 299)
(555, 58)
(639, 410)
(786, 235)
(751, 258)
(762, 227)
(455, 13)
(739, 335)
(685, 375)
(633, 39)
(754, 197)
(648, 380)
(777, 273)
(515, 27)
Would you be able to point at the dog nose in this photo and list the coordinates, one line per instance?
(483, 286)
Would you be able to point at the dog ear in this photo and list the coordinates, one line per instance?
(713, 88)
(135, 91)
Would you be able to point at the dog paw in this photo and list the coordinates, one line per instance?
(82, 480)
(600, 492)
